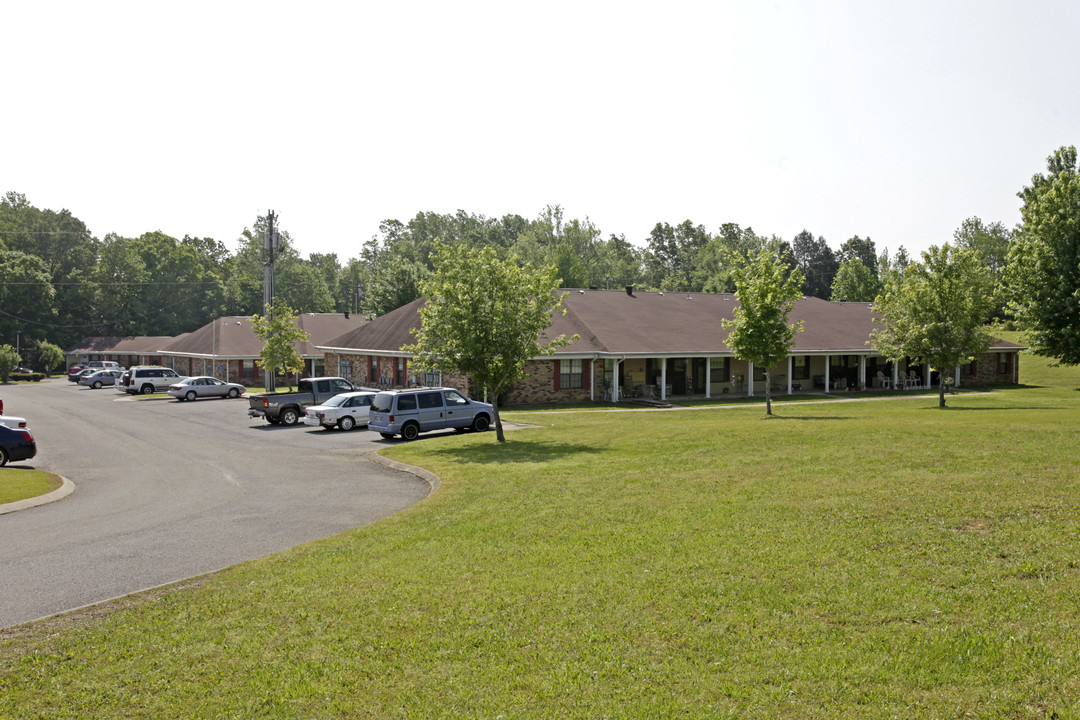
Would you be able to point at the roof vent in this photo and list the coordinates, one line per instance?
(687, 296)
(661, 293)
(630, 290)
(581, 292)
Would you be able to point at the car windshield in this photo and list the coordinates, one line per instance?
(383, 402)
(335, 401)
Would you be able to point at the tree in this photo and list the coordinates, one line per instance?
(818, 263)
(935, 313)
(9, 360)
(759, 332)
(857, 248)
(486, 317)
(1043, 272)
(50, 356)
(280, 335)
(854, 282)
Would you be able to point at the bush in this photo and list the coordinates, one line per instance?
(27, 377)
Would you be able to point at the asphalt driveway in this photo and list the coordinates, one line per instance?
(168, 490)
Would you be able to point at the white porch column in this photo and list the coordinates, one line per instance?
(828, 380)
(749, 379)
(862, 373)
(615, 393)
(790, 364)
(895, 373)
(926, 376)
(956, 377)
(708, 378)
(663, 379)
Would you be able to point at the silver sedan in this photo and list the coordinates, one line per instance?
(193, 388)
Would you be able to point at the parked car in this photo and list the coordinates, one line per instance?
(16, 444)
(12, 422)
(81, 374)
(23, 369)
(287, 408)
(104, 365)
(146, 379)
(204, 386)
(345, 411)
(74, 369)
(97, 379)
(416, 410)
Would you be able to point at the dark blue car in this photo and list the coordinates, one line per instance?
(16, 444)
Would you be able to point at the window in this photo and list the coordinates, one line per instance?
(406, 402)
(340, 386)
(453, 397)
(720, 370)
(344, 368)
(373, 369)
(967, 369)
(399, 372)
(429, 401)
(432, 378)
(570, 375)
(800, 367)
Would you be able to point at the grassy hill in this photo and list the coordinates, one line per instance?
(844, 559)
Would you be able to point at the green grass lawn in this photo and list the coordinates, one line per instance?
(20, 483)
(878, 558)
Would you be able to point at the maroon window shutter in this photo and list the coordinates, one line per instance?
(558, 374)
(586, 373)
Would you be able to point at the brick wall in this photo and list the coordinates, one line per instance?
(987, 371)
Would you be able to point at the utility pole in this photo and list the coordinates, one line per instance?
(271, 242)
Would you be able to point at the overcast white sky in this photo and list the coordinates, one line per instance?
(893, 120)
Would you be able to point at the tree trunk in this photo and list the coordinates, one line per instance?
(498, 418)
(768, 393)
(941, 390)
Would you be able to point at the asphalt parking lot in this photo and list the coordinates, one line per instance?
(168, 490)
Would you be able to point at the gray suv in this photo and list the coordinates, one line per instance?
(416, 410)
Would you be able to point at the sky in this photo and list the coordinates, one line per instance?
(895, 121)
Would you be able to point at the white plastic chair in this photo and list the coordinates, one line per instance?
(913, 381)
(883, 382)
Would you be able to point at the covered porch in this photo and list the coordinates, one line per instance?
(713, 376)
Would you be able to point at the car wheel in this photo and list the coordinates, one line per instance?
(289, 417)
(481, 423)
(346, 423)
(190, 395)
(3, 457)
(410, 431)
(146, 389)
(387, 436)
(97, 385)
(233, 393)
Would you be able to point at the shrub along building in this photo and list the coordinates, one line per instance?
(660, 345)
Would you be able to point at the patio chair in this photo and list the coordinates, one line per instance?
(913, 381)
(882, 381)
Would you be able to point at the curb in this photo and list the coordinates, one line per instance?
(66, 488)
(430, 478)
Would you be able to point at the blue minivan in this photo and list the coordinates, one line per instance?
(416, 410)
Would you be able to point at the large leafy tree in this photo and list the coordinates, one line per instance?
(26, 295)
(49, 356)
(759, 332)
(1043, 271)
(671, 256)
(9, 360)
(485, 318)
(280, 335)
(935, 312)
(855, 282)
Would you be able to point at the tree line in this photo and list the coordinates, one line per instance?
(60, 283)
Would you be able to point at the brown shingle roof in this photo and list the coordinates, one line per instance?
(233, 336)
(610, 322)
(131, 345)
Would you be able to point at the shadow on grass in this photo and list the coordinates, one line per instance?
(513, 451)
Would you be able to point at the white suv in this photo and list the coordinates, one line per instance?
(146, 379)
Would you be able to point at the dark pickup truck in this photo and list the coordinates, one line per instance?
(287, 408)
